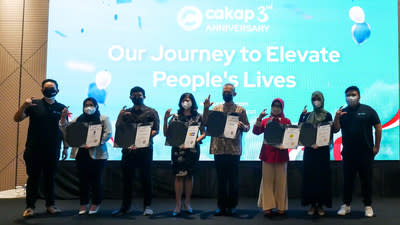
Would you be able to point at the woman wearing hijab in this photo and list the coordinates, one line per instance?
(273, 187)
(90, 161)
(184, 160)
(316, 189)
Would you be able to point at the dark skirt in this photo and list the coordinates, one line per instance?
(185, 160)
(316, 188)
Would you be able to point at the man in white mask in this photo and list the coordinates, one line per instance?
(356, 122)
(43, 145)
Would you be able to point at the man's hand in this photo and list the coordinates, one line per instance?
(340, 113)
(65, 113)
(124, 112)
(207, 102)
(28, 102)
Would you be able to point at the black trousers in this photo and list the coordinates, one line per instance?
(363, 166)
(227, 167)
(40, 167)
(90, 173)
(141, 160)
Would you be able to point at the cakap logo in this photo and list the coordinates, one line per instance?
(190, 18)
(226, 19)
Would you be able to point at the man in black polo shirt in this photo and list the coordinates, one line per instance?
(141, 158)
(356, 122)
(42, 149)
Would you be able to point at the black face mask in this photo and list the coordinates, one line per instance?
(227, 97)
(49, 92)
(137, 100)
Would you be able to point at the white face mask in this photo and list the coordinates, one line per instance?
(317, 104)
(90, 110)
(352, 100)
(187, 104)
(276, 110)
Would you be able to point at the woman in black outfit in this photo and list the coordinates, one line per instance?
(184, 160)
(316, 189)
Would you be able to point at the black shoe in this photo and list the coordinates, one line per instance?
(220, 212)
(119, 212)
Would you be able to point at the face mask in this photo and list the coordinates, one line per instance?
(90, 110)
(50, 92)
(276, 110)
(186, 105)
(227, 97)
(137, 100)
(317, 104)
(352, 100)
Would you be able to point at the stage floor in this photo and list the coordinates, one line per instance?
(387, 212)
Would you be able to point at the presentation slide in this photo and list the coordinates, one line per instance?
(266, 48)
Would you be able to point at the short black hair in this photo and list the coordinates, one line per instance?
(138, 89)
(352, 88)
(50, 80)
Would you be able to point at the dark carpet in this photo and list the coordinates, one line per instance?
(387, 212)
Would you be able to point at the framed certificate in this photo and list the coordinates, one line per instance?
(76, 134)
(220, 124)
(231, 126)
(176, 133)
(81, 134)
(215, 123)
(291, 137)
(94, 135)
(179, 134)
(323, 134)
(125, 134)
(191, 136)
(273, 133)
(143, 133)
(308, 133)
(133, 134)
(319, 135)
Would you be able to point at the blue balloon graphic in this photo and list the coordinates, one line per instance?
(98, 94)
(361, 32)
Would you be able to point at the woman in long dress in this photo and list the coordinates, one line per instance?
(316, 188)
